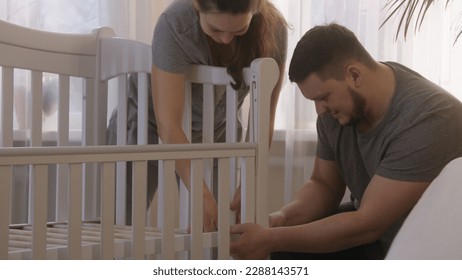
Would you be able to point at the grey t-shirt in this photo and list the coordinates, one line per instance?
(419, 135)
(179, 41)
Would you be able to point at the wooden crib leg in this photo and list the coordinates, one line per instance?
(223, 208)
(38, 210)
(197, 172)
(6, 173)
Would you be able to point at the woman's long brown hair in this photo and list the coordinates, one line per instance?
(262, 38)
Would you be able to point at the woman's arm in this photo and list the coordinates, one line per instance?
(168, 98)
(274, 100)
(280, 56)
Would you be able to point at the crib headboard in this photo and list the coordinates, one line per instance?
(98, 64)
(69, 55)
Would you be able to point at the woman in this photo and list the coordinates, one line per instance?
(227, 33)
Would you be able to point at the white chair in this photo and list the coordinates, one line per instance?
(433, 229)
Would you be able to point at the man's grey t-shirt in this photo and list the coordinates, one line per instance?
(419, 135)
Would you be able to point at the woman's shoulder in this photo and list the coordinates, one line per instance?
(180, 15)
(178, 39)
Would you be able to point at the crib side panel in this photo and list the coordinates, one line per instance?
(103, 239)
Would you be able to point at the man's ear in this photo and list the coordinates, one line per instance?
(354, 75)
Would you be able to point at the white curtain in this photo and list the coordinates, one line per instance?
(430, 51)
(133, 19)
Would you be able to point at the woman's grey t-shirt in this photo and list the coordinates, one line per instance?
(179, 41)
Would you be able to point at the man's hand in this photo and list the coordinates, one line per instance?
(254, 242)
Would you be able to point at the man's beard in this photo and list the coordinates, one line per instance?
(359, 104)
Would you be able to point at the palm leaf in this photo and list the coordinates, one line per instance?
(410, 11)
(458, 27)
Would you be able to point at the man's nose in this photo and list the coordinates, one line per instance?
(320, 108)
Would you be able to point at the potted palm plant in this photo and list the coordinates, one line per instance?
(413, 12)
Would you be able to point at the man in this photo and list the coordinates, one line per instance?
(384, 132)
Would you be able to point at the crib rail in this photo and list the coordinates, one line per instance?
(107, 241)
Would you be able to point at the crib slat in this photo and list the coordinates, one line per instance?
(121, 140)
(6, 173)
(62, 192)
(140, 173)
(232, 128)
(107, 210)
(75, 212)
(184, 203)
(39, 191)
(121, 192)
(63, 110)
(142, 109)
(167, 210)
(122, 110)
(187, 112)
(208, 117)
(231, 115)
(197, 179)
(248, 190)
(89, 136)
(36, 112)
(6, 129)
(208, 121)
(62, 171)
(223, 208)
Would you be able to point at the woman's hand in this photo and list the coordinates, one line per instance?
(210, 218)
(236, 204)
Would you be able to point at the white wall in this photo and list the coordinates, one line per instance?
(302, 165)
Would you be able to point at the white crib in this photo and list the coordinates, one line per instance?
(75, 186)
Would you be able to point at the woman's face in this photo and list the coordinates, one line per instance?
(224, 27)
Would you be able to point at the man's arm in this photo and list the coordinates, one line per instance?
(383, 203)
(317, 198)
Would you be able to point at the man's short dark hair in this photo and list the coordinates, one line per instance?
(325, 50)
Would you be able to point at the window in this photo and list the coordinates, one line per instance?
(430, 52)
(131, 19)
